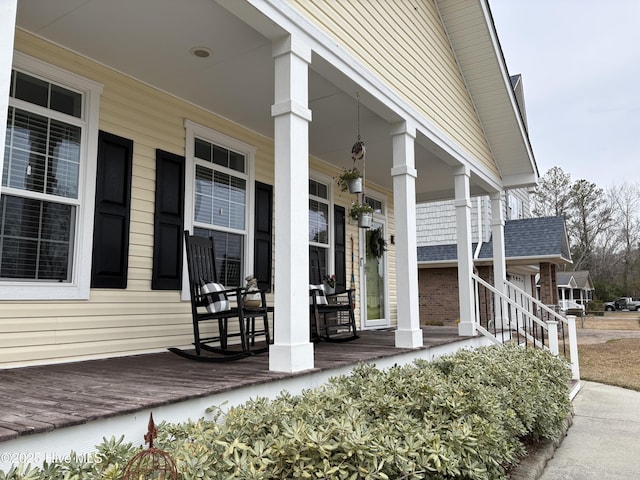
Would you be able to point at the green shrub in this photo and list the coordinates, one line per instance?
(595, 306)
(463, 416)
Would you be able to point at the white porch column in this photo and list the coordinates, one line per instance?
(499, 261)
(8, 10)
(467, 325)
(292, 351)
(408, 333)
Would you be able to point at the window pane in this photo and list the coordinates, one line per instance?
(323, 191)
(64, 160)
(66, 101)
(36, 239)
(317, 189)
(220, 156)
(203, 208)
(229, 201)
(229, 255)
(318, 222)
(25, 152)
(31, 89)
(317, 264)
(236, 161)
(202, 150)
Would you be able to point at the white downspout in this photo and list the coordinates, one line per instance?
(476, 254)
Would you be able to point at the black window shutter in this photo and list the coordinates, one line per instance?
(110, 257)
(262, 235)
(340, 266)
(168, 222)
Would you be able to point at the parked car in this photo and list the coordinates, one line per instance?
(623, 303)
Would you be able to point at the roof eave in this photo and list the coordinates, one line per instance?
(484, 69)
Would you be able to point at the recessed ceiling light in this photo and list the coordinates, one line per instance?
(200, 52)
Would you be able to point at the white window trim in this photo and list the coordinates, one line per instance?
(79, 287)
(193, 130)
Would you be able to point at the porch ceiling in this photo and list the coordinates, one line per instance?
(150, 40)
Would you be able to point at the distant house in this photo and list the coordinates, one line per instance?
(534, 249)
(575, 288)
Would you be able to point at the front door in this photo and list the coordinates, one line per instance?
(374, 276)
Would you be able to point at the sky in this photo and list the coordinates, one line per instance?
(580, 65)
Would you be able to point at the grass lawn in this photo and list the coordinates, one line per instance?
(606, 355)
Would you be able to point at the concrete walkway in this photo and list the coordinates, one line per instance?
(604, 440)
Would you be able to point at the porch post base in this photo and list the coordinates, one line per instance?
(467, 329)
(409, 338)
(291, 358)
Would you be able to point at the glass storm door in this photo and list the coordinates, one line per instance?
(374, 278)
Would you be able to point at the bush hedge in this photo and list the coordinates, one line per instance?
(464, 416)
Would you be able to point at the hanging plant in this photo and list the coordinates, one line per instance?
(377, 243)
(346, 178)
(359, 209)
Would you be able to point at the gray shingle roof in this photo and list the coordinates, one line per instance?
(543, 237)
(439, 253)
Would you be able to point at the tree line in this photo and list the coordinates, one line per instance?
(603, 226)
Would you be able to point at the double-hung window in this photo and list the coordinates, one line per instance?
(219, 179)
(319, 232)
(46, 204)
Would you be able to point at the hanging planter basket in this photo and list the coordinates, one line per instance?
(363, 213)
(350, 180)
(355, 185)
(365, 220)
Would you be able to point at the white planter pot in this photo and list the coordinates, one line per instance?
(355, 185)
(365, 220)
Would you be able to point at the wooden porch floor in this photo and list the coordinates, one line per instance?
(44, 398)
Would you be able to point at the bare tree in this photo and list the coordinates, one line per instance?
(552, 197)
(625, 200)
(591, 216)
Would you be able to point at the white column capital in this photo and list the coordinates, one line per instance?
(404, 128)
(290, 106)
(404, 170)
(497, 209)
(462, 202)
(291, 44)
(497, 195)
(462, 170)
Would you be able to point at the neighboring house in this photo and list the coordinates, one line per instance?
(128, 122)
(575, 288)
(534, 247)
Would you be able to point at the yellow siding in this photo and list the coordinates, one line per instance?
(116, 322)
(404, 43)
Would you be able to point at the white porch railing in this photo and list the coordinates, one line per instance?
(516, 316)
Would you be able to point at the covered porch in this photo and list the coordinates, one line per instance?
(269, 80)
(47, 411)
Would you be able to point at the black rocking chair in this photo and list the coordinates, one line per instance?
(210, 301)
(332, 315)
